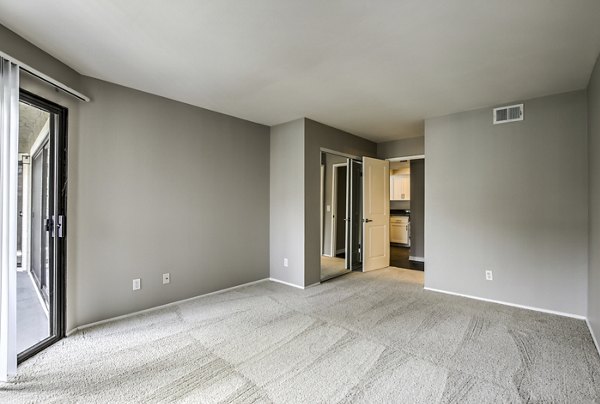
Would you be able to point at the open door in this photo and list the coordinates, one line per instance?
(376, 213)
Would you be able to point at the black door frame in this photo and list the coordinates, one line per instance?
(58, 202)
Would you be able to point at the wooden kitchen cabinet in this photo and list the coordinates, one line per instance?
(399, 230)
(400, 187)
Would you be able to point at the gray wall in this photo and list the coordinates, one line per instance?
(296, 194)
(330, 160)
(414, 146)
(511, 198)
(159, 190)
(287, 202)
(319, 136)
(154, 186)
(593, 93)
(417, 208)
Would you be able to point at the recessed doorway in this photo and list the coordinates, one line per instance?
(407, 212)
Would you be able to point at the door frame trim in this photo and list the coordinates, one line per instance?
(337, 153)
(406, 158)
(60, 153)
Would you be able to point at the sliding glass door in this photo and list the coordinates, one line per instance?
(341, 215)
(41, 224)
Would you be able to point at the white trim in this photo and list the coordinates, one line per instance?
(407, 158)
(293, 284)
(287, 283)
(337, 153)
(521, 306)
(339, 251)
(9, 153)
(418, 259)
(34, 72)
(593, 335)
(162, 306)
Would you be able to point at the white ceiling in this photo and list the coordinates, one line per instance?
(373, 68)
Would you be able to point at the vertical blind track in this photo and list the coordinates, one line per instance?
(45, 78)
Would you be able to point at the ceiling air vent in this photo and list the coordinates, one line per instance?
(511, 113)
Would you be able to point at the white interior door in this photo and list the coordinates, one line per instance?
(376, 213)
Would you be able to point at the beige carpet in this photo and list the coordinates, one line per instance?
(370, 337)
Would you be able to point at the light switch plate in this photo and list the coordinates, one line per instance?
(137, 284)
(166, 278)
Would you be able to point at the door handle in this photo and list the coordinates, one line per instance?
(60, 226)
(367, 220)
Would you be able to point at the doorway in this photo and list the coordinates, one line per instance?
(341, 229)
(41, 224)
(407, 212)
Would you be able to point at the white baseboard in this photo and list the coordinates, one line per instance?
(558, 313)
(293, 284)
(341, 250)
(162, 306)
(286, 283)
(593, 335)
(419, 259)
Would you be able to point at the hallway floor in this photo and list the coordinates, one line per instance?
(32, 321)
(399, 259)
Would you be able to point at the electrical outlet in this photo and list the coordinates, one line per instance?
(489, 276)
(285, 262)
(137, 284)
(166, 278)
